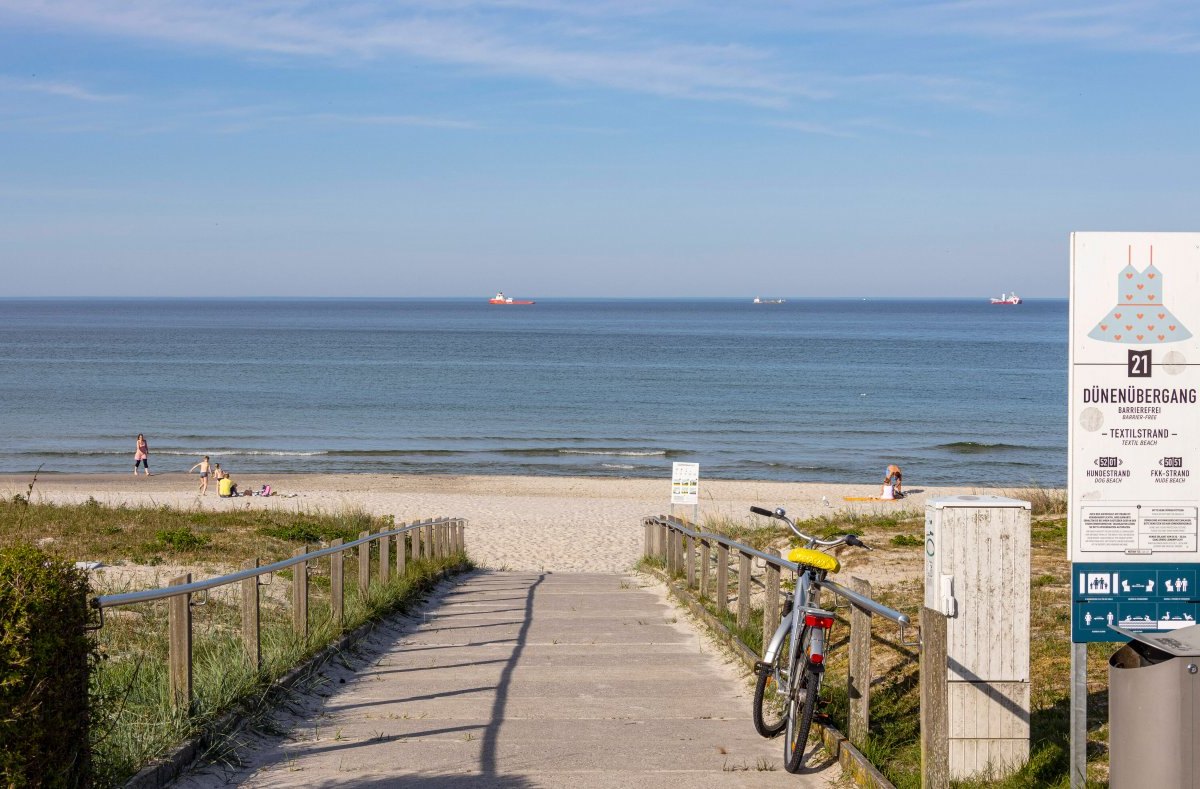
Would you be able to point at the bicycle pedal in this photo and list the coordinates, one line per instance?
(760, 667)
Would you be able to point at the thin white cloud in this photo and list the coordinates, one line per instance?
(552, 48)
(57, 88)
(1158, 26)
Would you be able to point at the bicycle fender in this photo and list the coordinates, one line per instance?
(776, 644)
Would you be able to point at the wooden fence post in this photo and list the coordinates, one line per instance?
(722, 578)
(300, 595)
(179, 629)
(385, 558)
(427, 540)
(744, 571)
(770, 604)
(681, 567)
(251, 642)
(705, 558)
(689, 545)
(935, 713)
(439, 541)
(337, 584)
(858, 675)
(670, 557)
(648, 531)
(416, 541)
(401, 553)
(364, 564)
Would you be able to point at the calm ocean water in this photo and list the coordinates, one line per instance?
(956, 392)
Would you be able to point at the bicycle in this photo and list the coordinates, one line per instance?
(801, 636)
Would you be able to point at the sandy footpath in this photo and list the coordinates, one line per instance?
(561, 524)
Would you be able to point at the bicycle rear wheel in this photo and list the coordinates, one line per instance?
(770, 707)
(801, 706)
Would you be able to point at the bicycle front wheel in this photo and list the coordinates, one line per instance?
(801, 705)
(770, 709)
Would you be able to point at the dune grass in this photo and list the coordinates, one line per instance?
(133, 717)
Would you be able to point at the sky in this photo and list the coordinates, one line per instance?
(597, 148)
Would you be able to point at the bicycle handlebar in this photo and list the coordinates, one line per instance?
(780, 514)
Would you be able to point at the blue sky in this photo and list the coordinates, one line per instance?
(606, 148)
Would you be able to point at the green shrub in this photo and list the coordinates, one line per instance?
(907, 540)
(182, 539)
(45, 659)
(312, 532)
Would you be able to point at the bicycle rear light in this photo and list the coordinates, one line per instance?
(816, 658)
(812, 620)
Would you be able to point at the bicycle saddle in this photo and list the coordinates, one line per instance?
(822, 561)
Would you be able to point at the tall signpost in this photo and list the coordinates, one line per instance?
(1134, 440)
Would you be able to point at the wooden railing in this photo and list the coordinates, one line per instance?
(435, 538)
(702, 561)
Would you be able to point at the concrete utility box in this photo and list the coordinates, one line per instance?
(977, 574)
(1153, 705)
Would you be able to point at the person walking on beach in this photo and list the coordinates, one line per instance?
(203, 466)
(141, 455)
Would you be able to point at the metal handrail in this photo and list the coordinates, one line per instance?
(855, 598)
(149, 595)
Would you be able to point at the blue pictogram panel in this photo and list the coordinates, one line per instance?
(1143, 597)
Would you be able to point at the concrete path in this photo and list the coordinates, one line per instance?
(519, 680)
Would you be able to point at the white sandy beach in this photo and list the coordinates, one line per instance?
(563, 524)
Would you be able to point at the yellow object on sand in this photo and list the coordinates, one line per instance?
(225, 487)
(821, 561)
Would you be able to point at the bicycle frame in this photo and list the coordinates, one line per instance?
(792, 625)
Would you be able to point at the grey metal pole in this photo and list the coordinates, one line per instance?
(1079, 657)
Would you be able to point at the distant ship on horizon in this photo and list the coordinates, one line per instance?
(500, 298)
(757, 300)
(1007, 298)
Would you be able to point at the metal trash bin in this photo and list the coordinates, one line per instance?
(1153, 705)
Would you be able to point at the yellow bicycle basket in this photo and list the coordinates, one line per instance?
(822, 561)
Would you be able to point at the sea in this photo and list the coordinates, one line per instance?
(957, 392)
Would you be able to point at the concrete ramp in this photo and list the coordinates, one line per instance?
(530, 680)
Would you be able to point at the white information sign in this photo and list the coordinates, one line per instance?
(685, 483)
(1134, 461)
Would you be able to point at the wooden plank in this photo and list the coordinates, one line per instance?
(705, 570)
(251, 639)
(858, 680)
(337, 585)
(415, 536)
(427, 541)
(300, 596)
(935, 743)
(647, 538)
(722, 578)
(745, 568)
(179, 630)
(771, 606)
